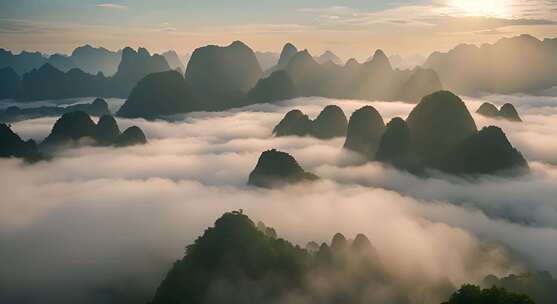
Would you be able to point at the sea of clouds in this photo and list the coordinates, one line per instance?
(97, 224)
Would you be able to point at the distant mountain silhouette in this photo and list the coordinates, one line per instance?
(78, 127)
(278, 86)
(134, 67)
(62, 62)
(373, 80)
(10, 83)
(98, 107)
(174, 61)
(226, 77)
(267, 60)
(11, 145)
(231, 70)
(47, 82)
(288, 52)
(521, 64)
(365, 129)
(86, 58)
(329, 56)
(275, 169)
(163, 93)
(22, 62)
(507, 111)
(94, 60)
(330, 123)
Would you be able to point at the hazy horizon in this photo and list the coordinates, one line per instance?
(353, 29)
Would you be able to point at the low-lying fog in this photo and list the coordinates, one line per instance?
(96, 222)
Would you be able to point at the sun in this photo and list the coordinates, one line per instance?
(492, 8)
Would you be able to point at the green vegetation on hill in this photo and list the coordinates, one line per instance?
(470, 294)
(540, 286)
(275, 169)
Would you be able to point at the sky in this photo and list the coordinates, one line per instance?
(350, 28)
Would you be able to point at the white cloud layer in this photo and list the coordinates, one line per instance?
(98, 221)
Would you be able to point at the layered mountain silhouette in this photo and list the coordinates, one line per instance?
(287, 53)
(98, 107)
(163, 93)
(278, 86)
(23, 62)
(48, 82)
(225, 71)
(330, 123)
(78, 128)
(521, 64)
(267, 60)
(94, 60)
(275, 169)
(11, 145)
(10, 83)
(237, 261)
(226, 77)
(441, 134)
(329, 56)
(135, 65)
(174, 61)
(507, 111)
(373, 80)
(365, 129)
(86, 58)
(216, 78)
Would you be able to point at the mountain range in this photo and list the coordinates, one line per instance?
(219, 78)
(522, 64)
(48, 82)
(87, 58)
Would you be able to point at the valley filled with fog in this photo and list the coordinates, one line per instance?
(118, 218)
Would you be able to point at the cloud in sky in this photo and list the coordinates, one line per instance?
(350, 29)
(112, 6)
